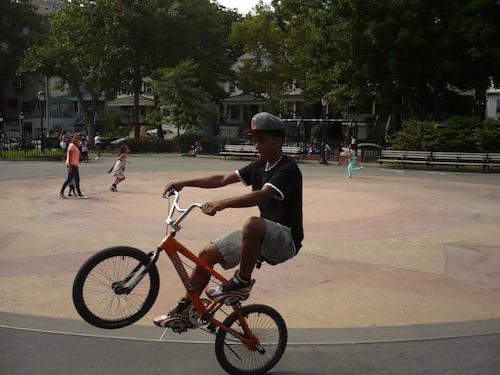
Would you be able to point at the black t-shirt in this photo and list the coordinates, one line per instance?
(286, 206)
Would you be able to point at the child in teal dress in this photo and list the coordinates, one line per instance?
(352, 159)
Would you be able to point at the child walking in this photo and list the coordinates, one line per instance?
(352, 162)
(119, 168)
(84, 144)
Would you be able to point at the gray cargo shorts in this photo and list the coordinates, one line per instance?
(277, 245)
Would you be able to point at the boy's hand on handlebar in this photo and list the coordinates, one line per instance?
(172, 186)
(211, 208)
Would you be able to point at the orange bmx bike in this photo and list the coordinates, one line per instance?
(117, 286)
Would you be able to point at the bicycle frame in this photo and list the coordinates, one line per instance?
(173, 248)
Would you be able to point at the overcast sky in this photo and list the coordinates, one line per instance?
(243, 6)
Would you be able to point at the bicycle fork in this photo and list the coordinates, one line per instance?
(120, 286)
(247, 337)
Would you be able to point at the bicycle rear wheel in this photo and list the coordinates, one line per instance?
(100, 288)
(267, 325)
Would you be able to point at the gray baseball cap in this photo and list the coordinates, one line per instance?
(263, 122)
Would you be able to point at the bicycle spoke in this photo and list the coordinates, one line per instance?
(100, 294)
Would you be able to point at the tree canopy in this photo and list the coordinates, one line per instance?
(409, 53)
(79, 50)
(114, 44)
(181, 100)
(19, 23)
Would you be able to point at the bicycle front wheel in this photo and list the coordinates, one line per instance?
(101, 290)
(267, 325)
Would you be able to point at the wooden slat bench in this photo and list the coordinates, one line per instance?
(249, 150)
(293, 151)
(460, 159)
(485, 160)
(403, 157)
(239, 151)
(493, 160)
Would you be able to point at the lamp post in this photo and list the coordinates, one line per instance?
(41, 99)
(324, 103)
(21, 128)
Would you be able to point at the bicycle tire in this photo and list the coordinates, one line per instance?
(269, 328)
(95, 298)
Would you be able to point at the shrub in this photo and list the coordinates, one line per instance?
(416, 135)
(487, 137)
(467, 133)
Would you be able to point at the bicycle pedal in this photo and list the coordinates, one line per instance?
(212, 328)
(179, 330)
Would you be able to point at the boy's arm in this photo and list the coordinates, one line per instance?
(209, 182)
(251, 199)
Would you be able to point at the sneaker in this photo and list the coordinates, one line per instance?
(83, 197)
(232, 291)
(176, 319)
(97, 157)
(113, 188)
(362, 168)
(63, 196)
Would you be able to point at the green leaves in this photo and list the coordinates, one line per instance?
(408, 53)
(460, 133)
(19, 23)
(181, 99)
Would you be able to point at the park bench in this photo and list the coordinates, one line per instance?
(493, 160)
(249, 150)
(293, 151)
(403, 157)
(239, 151)
(485, 160)
(460, 159)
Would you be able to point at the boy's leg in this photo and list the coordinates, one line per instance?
(178, 317)
(211, 256)
(254, 231)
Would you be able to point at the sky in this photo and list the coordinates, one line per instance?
(243, 6)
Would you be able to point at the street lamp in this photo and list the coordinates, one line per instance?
(41, 99)
(21, 128)
(354, 124)
(324, 103)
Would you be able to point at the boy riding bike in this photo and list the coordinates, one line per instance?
(275, 236)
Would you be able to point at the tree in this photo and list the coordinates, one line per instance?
(158, 34)
(273, 44)
(181, 100)
(19, 22)
(79, 50)
(410, 53)
(115, 44)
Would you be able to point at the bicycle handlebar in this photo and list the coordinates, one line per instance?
(175, 224)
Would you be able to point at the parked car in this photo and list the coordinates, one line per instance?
(119, 142)
(9, 144)
(106, 143)
(50, 143)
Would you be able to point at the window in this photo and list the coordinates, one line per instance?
(18, 85)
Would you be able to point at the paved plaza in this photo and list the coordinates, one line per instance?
(389, 255)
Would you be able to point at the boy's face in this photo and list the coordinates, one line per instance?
(267, 146)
